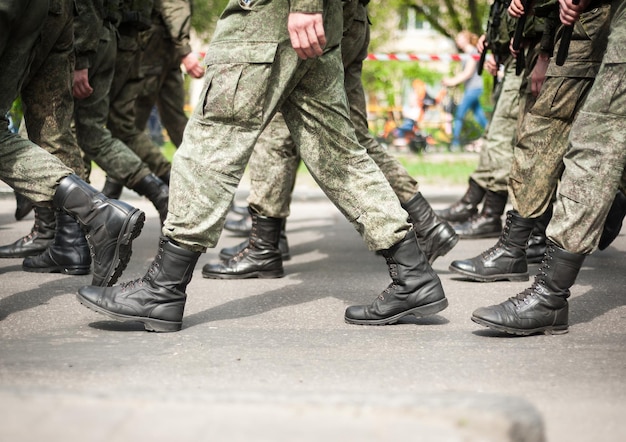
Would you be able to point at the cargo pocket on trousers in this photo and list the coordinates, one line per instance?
(236, 83)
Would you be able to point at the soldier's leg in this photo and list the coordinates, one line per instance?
(111, 154)
(354, 183)
(171, 104)
(436, 237)
(594, 165)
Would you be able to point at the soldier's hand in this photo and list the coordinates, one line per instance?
(538, 74)
(81, 88)
(480, 45)
(569, 13)
(491, 66)
(516, 9)
(306, 32)
(192, 65)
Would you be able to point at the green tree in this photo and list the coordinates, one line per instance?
(204, 16)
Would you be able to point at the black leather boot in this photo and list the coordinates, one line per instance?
(488, 223)
(541, 308)
(156, 191)
(536, 246)
(110, 226)
(260, 259)
(112, 188)
(434, 236)
(283, 245)
(415, 288)
(157, 300)
(505, 260)
(467, 206)
(69, 252)
(165, 178)
(23, 206)
(240, 227)
(614, 221)
(38, 240)
(239, 210)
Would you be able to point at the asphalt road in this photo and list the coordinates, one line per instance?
(273, 360)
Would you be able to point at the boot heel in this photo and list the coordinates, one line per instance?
(76, 270)
(271, 274)
(429, 309)
(154, 325)
(522, 277)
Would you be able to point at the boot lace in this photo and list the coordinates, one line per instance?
(393, 272)
(524, 297)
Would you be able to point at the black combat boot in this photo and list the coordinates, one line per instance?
(260, 259)
(239, 210)
(69, 253)
(165, 177)
(487, 223)
(153, 188)
(543, 307)
(505, 260)
(112, 188)
(434, 236)
(240, 227)
(415, 288)
(283, 245)
(536, 246)
(157, 300)
(467, 206)
(38, 240)
(110, 226)
(23, 206)
(614, 221)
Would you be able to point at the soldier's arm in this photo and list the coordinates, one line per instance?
(88, 22)
(177, 18)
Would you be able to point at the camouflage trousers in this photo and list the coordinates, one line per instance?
(91, 114)
(274, 163)
(233, 112)
(122, 118)
(47, 94)
(543, 136)
(596, 159)
(496, 155)
(24, 166)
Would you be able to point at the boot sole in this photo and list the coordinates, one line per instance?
(444, 249)
(59, 269)
(226, 257)
(260, 274)
(418, 312)
(549, 330)
(513, 277)
(123, 251)
(150, 324)
(480, 236)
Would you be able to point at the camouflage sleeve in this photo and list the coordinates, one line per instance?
(310, 6)
(88, 21)
(177, 17)
(552, 23)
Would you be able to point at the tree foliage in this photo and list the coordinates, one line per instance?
(204, 16)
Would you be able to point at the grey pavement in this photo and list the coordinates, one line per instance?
(273, 360)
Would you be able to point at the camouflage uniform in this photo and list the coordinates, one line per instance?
(274, 163)
(24, 166)
(47, 92)
(166, 43)
(127, 85)
(251, 73)
(542, 139)
(596, 158)
(96, 49)
(163, 47)
(492, 172)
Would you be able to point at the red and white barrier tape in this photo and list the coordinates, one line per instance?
(421, 57)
